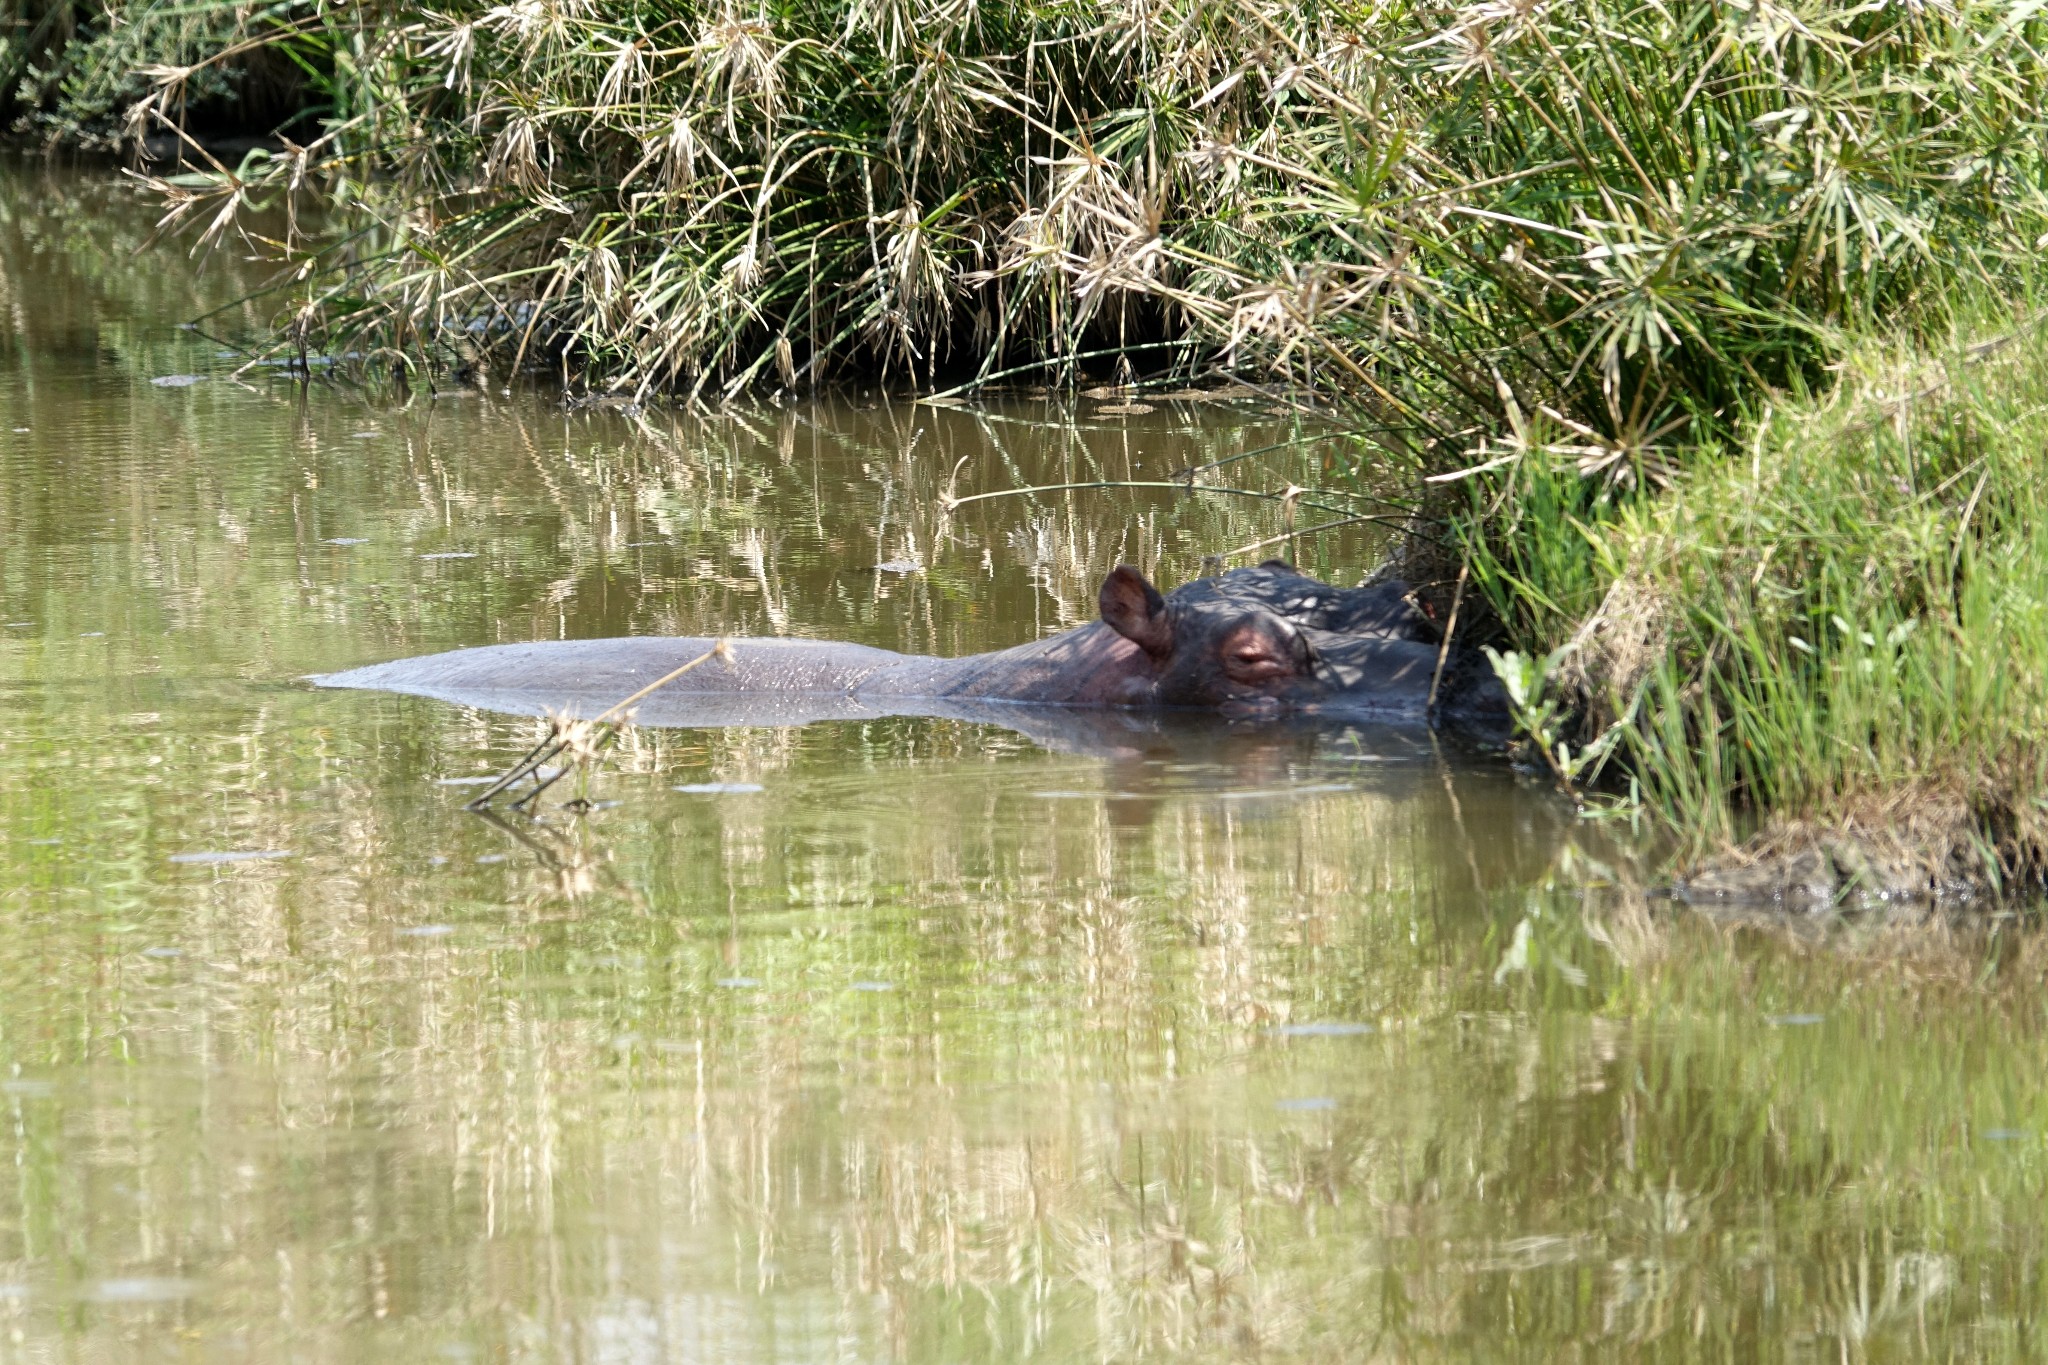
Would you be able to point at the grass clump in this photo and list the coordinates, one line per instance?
(1837, 632)
(1594, 225)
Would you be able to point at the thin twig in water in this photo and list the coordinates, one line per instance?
(1403, 526)
(1176, 486)
(567, 732)
(1391, 523)
(1443, 650)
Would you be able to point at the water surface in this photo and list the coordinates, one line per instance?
(901, 1040)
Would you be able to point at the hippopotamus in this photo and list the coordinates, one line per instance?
(1250, 643)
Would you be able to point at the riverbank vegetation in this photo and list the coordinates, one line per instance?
(1654, 304)
(78, 72)
(1839, 628)
(1619, 221)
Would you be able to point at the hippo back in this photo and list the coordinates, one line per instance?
(761, 682)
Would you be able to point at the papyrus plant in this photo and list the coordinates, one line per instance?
(1580, 229)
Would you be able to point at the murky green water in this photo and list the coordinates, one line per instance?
(908, 1040)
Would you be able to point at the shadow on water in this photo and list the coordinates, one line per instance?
(924, 1038)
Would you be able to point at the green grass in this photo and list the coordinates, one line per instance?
(1844, 624)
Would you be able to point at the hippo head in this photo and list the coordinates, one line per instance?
(1272, 639)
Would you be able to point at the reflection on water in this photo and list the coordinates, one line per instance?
(900, 1039)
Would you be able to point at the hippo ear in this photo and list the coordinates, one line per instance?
(1134, 609)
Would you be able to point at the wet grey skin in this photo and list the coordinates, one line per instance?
(1250, 643)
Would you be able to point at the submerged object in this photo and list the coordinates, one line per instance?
(1264, 641)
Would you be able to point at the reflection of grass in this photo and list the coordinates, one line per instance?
(1042, 931)
(1885, 1063)
(588, 523)
(1057, 1133)
(72, 243)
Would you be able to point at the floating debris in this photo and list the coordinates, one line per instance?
(1124, 409)
(451, 554)
(178, 381)
(488, 859)
(346, 540)
(905, 566)
(163, 952)
(426, 931)
(1796, 1020)
(247, 855)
